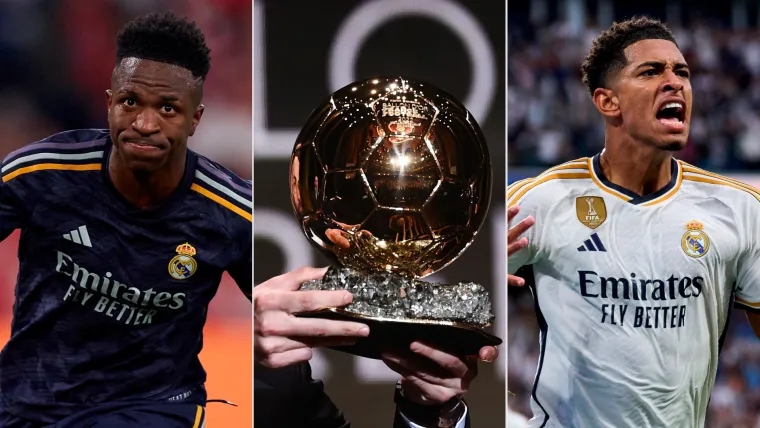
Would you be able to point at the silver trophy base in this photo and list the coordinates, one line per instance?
(400, 310)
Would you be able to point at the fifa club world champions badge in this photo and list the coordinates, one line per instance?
(591, 211)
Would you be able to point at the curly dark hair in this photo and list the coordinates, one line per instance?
(607, 53)
(165, 37)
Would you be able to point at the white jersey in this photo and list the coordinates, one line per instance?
(633, 293)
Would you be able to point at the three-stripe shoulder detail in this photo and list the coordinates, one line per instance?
(53, 155)
(224, 188)
(692, 173)
(573, 170)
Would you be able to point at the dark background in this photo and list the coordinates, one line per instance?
(293, 42)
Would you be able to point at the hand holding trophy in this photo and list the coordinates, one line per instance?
(392, 180)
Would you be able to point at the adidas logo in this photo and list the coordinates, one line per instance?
(79, 235)
(592, 244)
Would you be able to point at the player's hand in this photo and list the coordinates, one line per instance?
(515, 242)
(281, 339)
(432, 376)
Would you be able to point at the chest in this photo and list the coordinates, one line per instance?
(176, 249)
(684, 237)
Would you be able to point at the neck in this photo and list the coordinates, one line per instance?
(636, 166)
(145, 189)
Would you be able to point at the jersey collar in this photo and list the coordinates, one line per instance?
(632, 197)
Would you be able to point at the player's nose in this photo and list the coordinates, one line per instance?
(671, 82)
(146, 123)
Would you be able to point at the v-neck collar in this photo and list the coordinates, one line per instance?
(676, 176)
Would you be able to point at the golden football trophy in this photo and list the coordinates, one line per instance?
(392, 180)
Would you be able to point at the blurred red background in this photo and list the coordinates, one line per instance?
(56, 58)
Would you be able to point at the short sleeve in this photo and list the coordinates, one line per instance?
(402, 421)
(11, 209)
(517, 194)
(747, 287)
(241, 270)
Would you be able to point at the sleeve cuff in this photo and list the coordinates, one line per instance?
(747, 305)
(461, 423)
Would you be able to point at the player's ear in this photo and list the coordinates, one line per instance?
(197, 118)
(607, 102)
(109, 96)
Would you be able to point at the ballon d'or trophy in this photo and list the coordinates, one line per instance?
(392, 180)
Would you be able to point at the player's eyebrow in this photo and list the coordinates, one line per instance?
(661, 64)
(129, 92)
(164, 98)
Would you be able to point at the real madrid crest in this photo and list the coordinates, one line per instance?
(183, 265)
(591, 211)
(695, 242)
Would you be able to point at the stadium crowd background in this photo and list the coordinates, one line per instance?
(552, 120)
(56, 58)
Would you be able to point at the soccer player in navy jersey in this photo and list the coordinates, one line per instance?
(125, 235)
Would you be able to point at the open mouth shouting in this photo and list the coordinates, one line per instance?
(672, 114)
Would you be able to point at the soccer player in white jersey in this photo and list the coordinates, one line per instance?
(634, 257)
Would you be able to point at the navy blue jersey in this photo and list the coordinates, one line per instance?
(111, 300)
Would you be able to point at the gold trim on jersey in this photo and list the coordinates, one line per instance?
(599, 183)
(719, 179)
(672, 191)
(721, 183)
(513, 188)
(54, 166)
(539, 180)
(627, 198)
(754, 305)
(198, 417)
(221, 201)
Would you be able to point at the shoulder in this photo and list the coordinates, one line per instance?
(224, 189)
(554, 182)
(76, 150)
(729, 191)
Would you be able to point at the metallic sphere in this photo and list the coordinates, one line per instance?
(391, 174)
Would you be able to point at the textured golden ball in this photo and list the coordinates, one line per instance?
(391, 174)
